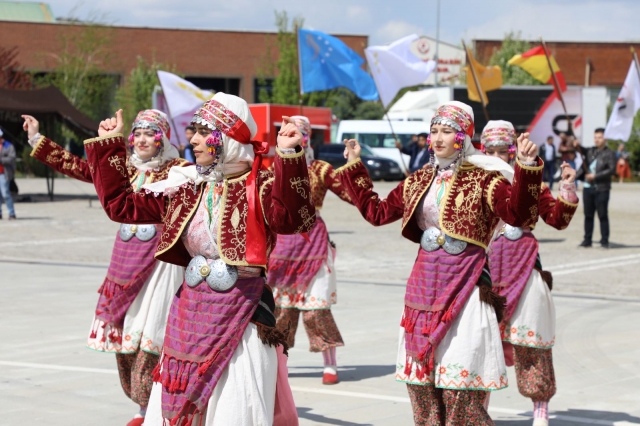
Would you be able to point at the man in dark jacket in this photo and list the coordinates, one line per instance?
(7, 171)
(598, 167)
(418, 151)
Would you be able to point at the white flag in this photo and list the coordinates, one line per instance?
(625, 108)
(396, 66)
(181, 95)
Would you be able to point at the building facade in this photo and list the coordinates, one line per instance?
(228, 61)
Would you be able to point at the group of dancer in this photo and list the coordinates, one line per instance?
(214, 262)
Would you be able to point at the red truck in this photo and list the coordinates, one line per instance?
(269, 119)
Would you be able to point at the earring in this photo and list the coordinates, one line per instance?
(131, 138)
(214, 143)
(512, 152)
(429, 147)
(459, 143)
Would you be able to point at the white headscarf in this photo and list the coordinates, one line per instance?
(236, 157)
(469, 153)
(158, 121)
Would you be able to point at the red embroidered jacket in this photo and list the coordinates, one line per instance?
(323, 177)
(53, 155)
(472, 207)
(555, 213)
(284, 196)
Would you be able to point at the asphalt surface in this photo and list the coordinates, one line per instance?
(53, 259)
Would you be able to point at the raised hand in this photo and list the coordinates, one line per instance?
(527, 150)
(30, 125)
(111, 125)
(352, 149)
(289, 135)
(568, 173)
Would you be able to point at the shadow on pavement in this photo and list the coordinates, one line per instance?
(304, 413)
(44, 198)
(347, 373)
(619, 246)
(551, 240)
(576, 417)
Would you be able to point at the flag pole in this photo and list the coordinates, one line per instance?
(299, 69)
(169, 111)
(556, 84)
(587, 73)
(477, 81)
(634, 55)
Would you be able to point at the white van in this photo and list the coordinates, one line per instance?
(378, 135)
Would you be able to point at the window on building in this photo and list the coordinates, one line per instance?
(217, 84)
(262, 89)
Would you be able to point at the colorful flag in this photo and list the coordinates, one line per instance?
(490, 78)
(327, 63)
(626, 106)
(396, 66)
(535, 63)
(181, 95)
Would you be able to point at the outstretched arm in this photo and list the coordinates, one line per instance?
(355, 178)
(558, 213)
(53, 155)
(332, 182)
(286, 198)
(106, 157)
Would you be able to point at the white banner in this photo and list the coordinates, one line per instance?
(396, 66)
(551, 119)
(626, 106)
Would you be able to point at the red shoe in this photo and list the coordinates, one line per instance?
(329, 379)
(137, 421)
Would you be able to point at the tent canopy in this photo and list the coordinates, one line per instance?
(47, 101)
(419, 105)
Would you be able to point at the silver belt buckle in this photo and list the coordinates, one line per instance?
(512, 233)
(142, 232)
(219, 276)
(432, 239)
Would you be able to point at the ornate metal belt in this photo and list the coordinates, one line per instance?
(142, 232)
(218, 275)
(512, 233)
(433, 239)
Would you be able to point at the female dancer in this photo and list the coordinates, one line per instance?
(133, 306)
(302, 274)
(450, 352)
(529, 321)
(220, 217)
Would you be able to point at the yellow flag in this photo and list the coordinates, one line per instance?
(490, 78)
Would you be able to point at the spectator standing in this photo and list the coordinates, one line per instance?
(600, 164)
(623, 170)
(548, 154)
(7, 171)
(418, 152)
(189, 131)
(567, 149)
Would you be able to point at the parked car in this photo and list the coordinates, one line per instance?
(379, 168)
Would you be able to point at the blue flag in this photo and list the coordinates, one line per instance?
(326, 63)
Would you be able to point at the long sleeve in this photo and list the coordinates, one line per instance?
(609, 165)
(53, 155)
(286, 199)
(517, 203)
(333, 184)
(556, 213)
(106, 158)
(8, 157)
(355, 178)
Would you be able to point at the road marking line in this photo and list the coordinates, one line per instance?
(58, 367)
(311, 390)
(58, 241)
(595, 262)
(594, 267)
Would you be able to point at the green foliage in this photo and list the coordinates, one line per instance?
(78, 74)
(632, 145)
(286, 84)
(511, 75)
(135, 94)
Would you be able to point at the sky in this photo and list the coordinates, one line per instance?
(382, 20)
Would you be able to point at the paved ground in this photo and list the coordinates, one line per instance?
(53, 259)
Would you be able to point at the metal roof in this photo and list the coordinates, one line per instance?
(25, 11)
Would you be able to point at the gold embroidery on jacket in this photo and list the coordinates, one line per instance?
(115, 161)
(298, 184)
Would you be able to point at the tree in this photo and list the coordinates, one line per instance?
(12, 74)
(512, 45)
(343, 103)
(135, 93)
(85, 48)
